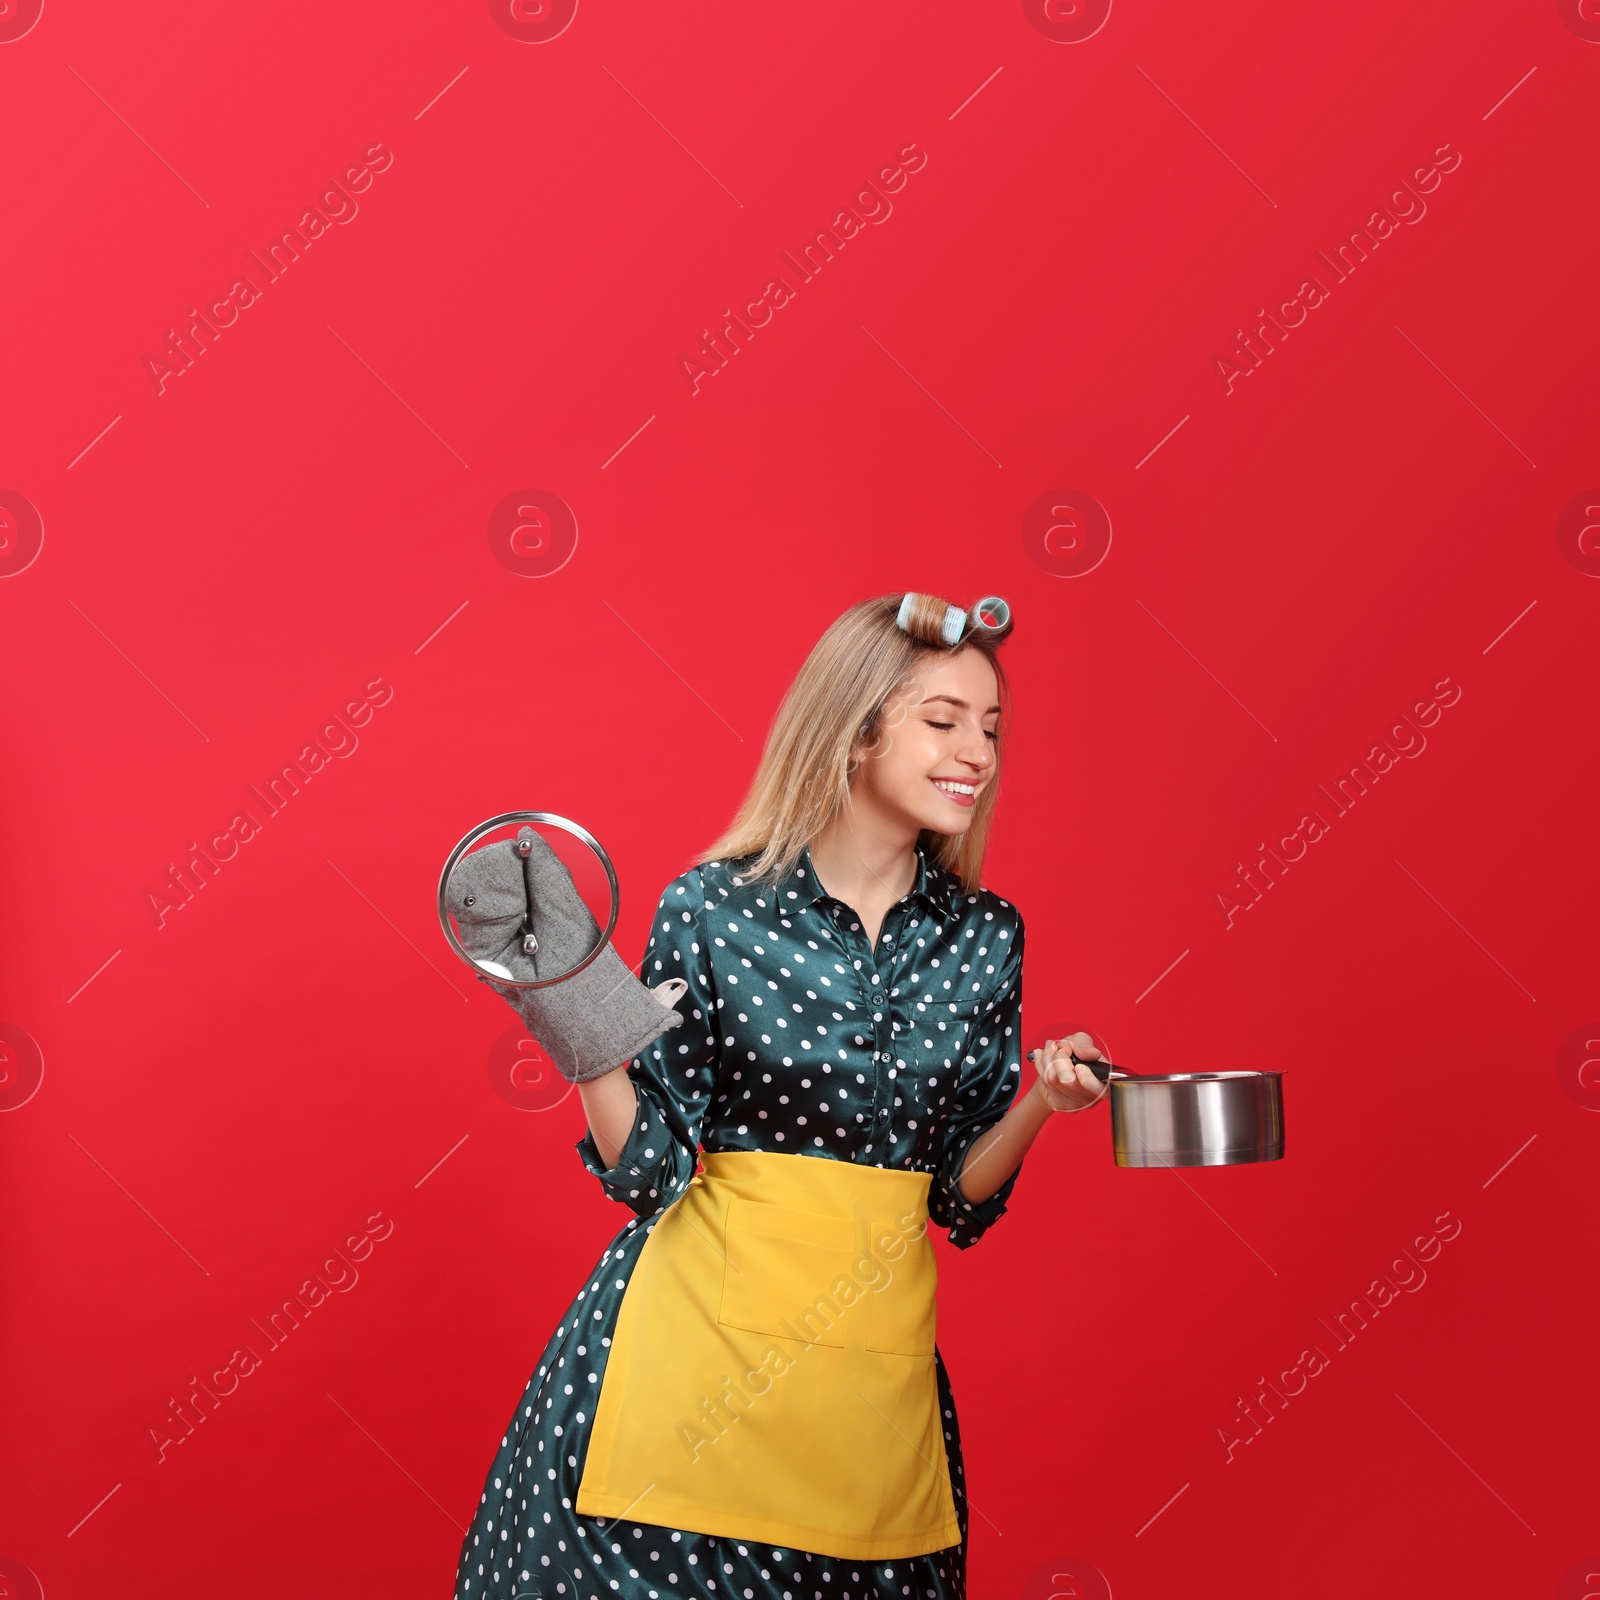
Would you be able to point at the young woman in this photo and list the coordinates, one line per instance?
(746, 1401)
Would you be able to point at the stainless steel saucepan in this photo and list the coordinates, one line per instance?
(1193, 1119)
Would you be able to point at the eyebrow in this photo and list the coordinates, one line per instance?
(955, 702)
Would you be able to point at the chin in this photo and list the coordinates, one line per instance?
(928, 813)
(956, 827)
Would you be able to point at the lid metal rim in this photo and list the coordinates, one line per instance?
(578, 831)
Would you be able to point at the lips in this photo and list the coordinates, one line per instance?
(963, 795)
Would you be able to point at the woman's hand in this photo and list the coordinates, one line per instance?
(520, 916)
(1065, 1085)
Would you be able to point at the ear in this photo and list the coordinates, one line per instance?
(865, 746)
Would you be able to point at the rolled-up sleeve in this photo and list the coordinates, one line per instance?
(991, 1075)
(675, 1074)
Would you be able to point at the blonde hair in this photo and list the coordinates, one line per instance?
(835, 706)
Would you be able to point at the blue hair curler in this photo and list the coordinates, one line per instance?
(991, 616)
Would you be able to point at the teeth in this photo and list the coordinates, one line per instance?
(955, 788)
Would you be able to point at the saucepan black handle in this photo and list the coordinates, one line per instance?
(1102, 1069)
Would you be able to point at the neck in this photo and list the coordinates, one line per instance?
(864, 855)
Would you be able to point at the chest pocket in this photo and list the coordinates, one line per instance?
(940, 1031)
(782, 1272)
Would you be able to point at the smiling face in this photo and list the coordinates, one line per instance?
(934, 752)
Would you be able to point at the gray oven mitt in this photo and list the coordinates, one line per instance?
(589, 1024)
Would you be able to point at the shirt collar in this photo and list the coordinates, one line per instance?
(934, 884)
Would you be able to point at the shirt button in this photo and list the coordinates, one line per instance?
(883, 1116)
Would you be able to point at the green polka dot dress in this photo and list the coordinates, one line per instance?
(799, 1037)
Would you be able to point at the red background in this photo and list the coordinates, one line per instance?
(1290, 571)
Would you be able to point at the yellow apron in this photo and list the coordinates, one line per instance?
(772, 1372)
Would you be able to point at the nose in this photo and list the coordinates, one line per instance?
(977, 752)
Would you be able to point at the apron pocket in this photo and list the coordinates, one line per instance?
(902, 1315)
(782, 1269)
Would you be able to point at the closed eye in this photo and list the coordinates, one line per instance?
(995, 737)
